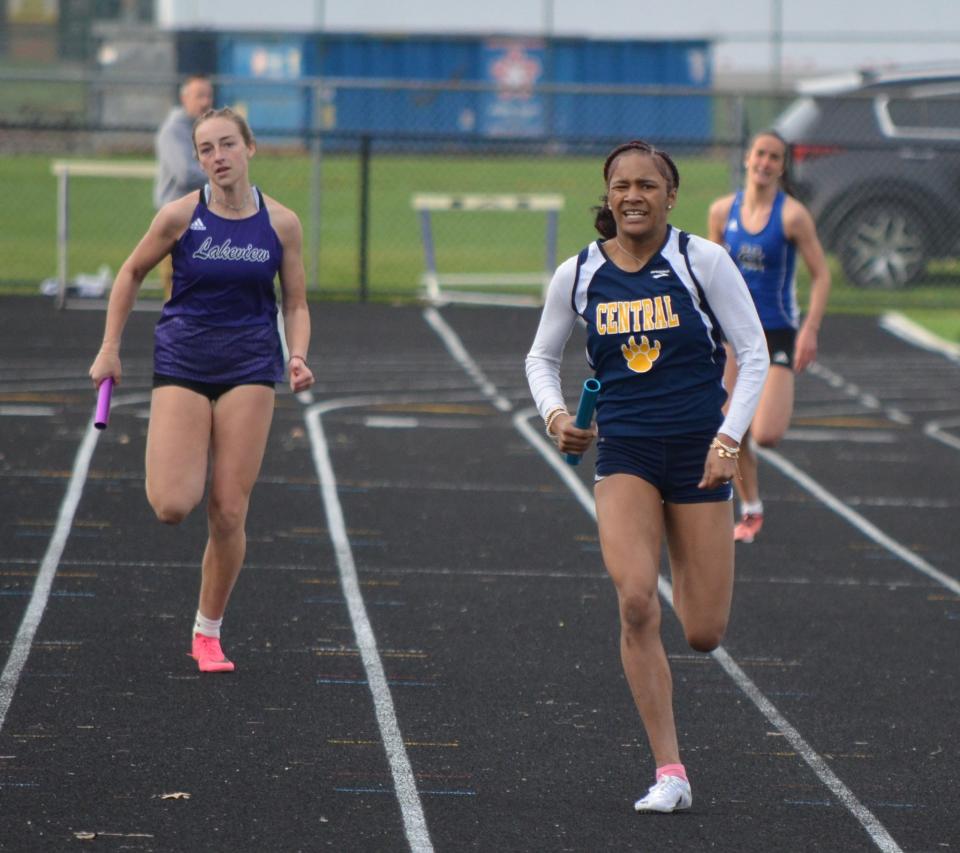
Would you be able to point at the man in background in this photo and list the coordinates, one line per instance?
(178, 171)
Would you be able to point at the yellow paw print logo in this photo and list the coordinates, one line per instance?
(640, 357)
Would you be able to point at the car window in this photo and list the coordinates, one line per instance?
(936, 116)
(942, 112)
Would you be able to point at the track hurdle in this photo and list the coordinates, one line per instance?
(449, 287)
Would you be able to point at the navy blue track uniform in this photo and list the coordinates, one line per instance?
(654, 340)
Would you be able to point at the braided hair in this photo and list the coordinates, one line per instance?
(603, 219)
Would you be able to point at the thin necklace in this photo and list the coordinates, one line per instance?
(620, 247)
(223, 203)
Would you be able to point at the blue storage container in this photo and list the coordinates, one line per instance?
(270, 108)
(521, 70)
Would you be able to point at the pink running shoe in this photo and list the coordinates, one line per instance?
(748, 527)
(208, 654)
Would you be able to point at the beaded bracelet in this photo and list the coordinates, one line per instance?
(552, 415)
(725, 451)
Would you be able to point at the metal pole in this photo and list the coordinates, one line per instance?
(316, 188)
(316, 149)
(63, 232)
(776, 43)
(548, 24)
(548, 18)
(741, 132)
(364, 213)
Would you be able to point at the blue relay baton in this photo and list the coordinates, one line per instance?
(588, 402)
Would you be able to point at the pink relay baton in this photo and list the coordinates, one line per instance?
(103, 403)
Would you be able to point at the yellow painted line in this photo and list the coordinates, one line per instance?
(436, 408)
(354, 653)
(694, 659)
(772, 754)
(322, 531)
(34, 397)
(832, 755)
(340, 741)
(334, 741)
(59, 574)
(845, 421)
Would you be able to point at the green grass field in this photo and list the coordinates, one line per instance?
(108, 216)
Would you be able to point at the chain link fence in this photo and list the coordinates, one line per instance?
(879, 170)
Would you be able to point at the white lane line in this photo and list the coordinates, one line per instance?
(901, 326)
(456, 348)
(868, 529)
(883, 840)
(868, 821)
(23, 641)
(939, 431)
(388, 422)
(868, 401)
(414, 822)
(27, 411)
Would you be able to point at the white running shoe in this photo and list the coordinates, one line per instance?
(669, 794)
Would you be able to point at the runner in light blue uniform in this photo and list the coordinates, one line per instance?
(763, 228)
(767, 262)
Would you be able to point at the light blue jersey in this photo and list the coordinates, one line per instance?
(767, 261)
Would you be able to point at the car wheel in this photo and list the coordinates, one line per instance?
(883, 245)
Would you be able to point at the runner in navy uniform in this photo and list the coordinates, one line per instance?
(217, 353)
(657, 304)
(762, 227)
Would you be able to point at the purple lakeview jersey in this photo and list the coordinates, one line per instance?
(220, 323)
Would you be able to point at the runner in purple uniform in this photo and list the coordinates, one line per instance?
(217, 353)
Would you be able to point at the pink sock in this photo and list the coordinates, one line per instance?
(672, 770)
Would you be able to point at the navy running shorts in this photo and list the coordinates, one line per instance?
(674, 464)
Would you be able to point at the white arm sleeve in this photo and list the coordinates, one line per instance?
(733, 307)
(546, 354)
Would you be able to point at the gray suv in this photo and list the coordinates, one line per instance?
(876, 158)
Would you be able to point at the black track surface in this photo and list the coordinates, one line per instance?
(496, 625)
